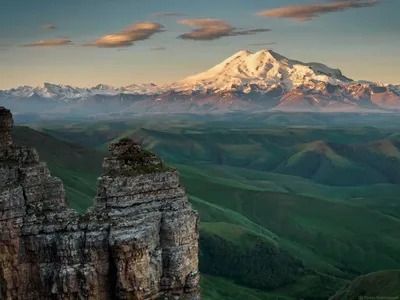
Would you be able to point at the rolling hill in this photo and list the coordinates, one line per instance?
(330, 156)
(77, 166)
(384, 284)
(254, 214)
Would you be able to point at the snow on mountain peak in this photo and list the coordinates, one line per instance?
(262, 72)
(50, 90)
(264, 68)
(102, 86)
(42, 85)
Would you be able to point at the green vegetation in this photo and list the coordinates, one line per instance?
(385, 284)
(287, 212)
(218, 288)
(77, 166)
(259, 265)
(142, 162)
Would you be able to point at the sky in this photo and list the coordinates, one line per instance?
(121, 42)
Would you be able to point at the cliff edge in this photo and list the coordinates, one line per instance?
(139, 240)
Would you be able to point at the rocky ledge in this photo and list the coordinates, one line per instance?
(139, 240)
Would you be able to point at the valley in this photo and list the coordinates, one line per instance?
(299, 210)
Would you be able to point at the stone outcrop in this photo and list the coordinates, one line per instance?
(138, 241)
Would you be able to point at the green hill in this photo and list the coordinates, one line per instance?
(330, 156)
(77, 166)
(321, 204)
(378, 285)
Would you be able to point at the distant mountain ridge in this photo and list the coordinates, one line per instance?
(61, 91)
(264, 80)
(264, 68)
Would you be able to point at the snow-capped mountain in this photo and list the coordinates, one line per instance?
(149, 89)
(48, 90)
(67, 92)
(264, 69)
(245, 81)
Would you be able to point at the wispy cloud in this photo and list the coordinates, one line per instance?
(158, 49)
(212, 29)
(49, 26)
(137, 32)
(303, 13)
(263, 44)
(167, 14)
(57, 42)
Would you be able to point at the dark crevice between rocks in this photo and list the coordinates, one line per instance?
(3, 285)
(112, 275)
(83, 293)
(21, 251)
(24, 195)
(22, 241)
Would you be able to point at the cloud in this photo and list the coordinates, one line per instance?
(212, 29)
(137, 32)
(167, 14)
(263, 44)
(158, 49)
(57, 42)
(49, 27)
(249, 31)
(303, 13)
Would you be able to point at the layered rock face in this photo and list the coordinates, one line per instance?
(138, 241)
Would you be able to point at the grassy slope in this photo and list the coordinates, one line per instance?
(296, 152)
(78, 166)
(331, 237)
(218, 288)
(385, 284)
(338, 230)
(233, 182)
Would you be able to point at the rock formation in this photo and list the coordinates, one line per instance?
(138, 241)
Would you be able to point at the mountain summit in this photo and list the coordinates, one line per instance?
(264, 68)
(263, 80)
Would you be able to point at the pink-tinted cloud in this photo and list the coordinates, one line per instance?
(49, 26)
(211, 29)
(137, 32)
(302, 13)
(57, 42)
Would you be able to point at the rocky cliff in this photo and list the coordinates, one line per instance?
(138, 241)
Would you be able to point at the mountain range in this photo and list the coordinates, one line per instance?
(246, 81)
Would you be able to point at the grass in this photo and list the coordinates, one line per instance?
(336, 230)
(218, 288)
(383, 284)
(77, 166)
(327, 196)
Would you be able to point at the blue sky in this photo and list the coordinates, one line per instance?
(360, 37)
